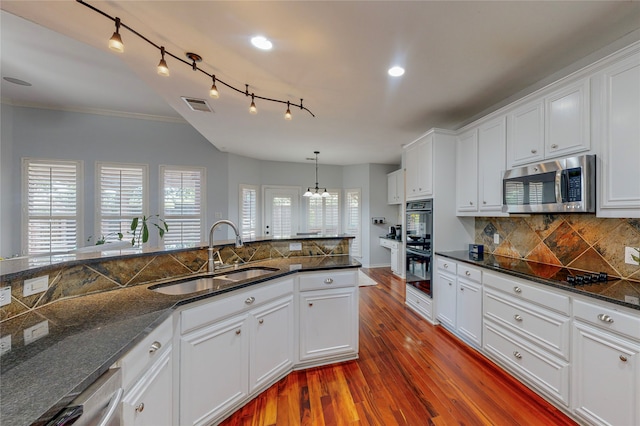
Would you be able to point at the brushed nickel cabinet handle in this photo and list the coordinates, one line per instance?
(446, 265)
(517, 354)
(605, 318)
(554, 146)
(461, 288)
(468, 273)
(533, 151)
(328, 281)
(517, 289)
(250, 300)
(623, 358)
(517, 317)
(140, 407)
(154, 347)
(261, 321)
(238, 331)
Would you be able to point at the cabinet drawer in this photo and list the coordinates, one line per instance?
(138, 359)
(329, 279)
(608, 318)
(546, 372)
(469, 272)
(522, 290)
(419, 302)
(385, 243)
(232, 304)
(541, 326)
(446, 265)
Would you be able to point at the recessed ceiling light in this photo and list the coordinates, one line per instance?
(261, 42)
(16, 81)
(396, 71)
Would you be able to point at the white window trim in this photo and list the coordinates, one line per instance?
(203, 194)
(358, 235)
(25, 196)
(97, 207)
(256, 188)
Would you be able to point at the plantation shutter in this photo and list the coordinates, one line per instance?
(183, 210)
(353, 225)
(248, 211)
(323, 214)
(53, 200)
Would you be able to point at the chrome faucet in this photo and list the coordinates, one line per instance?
(211, 262)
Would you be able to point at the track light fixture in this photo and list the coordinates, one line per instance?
(115, 43)
(315, 192)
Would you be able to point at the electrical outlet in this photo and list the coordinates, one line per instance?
(295, 246)
(632, 299)
(35, 285)
(5, 344)
(5, 296)
(36, 332)
(628, 251)
(496, 238)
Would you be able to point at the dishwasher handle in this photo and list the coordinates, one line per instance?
(112, 407)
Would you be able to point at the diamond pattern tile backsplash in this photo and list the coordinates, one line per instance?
(578, 241)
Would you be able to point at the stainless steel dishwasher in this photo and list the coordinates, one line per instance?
(98, 405)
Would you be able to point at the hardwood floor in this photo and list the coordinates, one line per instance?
(409, 373)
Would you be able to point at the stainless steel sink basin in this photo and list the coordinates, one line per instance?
(214, 282)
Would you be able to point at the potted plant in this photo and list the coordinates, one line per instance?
(141, 235)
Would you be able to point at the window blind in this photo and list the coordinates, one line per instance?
(323, 214)
(122, 190)
(282, 212)
(353, 212)
(52, 197)
(248, 211)
(183, 190)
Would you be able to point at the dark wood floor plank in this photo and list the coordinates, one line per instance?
(409, 373)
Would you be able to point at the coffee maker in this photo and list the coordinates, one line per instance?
(392, 232)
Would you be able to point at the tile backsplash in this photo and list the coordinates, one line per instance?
(580, 241)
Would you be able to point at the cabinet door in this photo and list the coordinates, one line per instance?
(444, 296)
(469, 311)
(620, 133)
(150, 400)
(567, 127)
(425, 166)
(271, 343)
(467, 172)
(394, 258)
(395, 187)
(491, 164)
(411, 171)
(525, 137)
(213, 370)
(328, 323)
(606, 377)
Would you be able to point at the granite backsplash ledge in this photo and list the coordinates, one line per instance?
(579, 241)
(98, 275)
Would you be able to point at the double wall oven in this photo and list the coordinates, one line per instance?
(419, 228)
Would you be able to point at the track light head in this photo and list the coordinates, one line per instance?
(163, 69)
(252, 107)
(115, 42)
(214, 90)
(287, 115)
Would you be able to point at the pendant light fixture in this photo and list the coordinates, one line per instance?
(163, 69)
(287, 115)
(115, 42)
(214, 90)
(315, 192)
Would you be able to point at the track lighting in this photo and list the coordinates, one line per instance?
(214, 90)
(315, 192)
(287, 115)
(115, 42)
(163, 69)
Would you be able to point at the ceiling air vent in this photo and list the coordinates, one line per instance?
(197, 104)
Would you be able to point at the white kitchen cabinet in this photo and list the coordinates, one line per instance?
(150, 400)
(419, 302)
(328, 316)
(396, 254)
(525, 134)
(395, 187)
(419, 168)
(467, 173)
(469, 305)
(444, 292)
(618, 119)
(491, 165)
(567, 120)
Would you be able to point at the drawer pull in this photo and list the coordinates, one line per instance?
(517, 289)
(450, 283)
(554, 146)
(154, 347)
(468, 273)
(605, 318)
(461, 288)
(517, 317)
(446, 266)
(623, 358)
(140, 407)
(328, 281)
(238, 331)
(261, 321)
(310, 304)
(250, 300)
(533, 151)
(517, 354)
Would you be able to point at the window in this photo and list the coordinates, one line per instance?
(248, 211)
(122, 195)
(183, 200)
(323, 213)
(353, 212)
(52, 194)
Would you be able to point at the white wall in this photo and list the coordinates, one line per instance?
(7, 194)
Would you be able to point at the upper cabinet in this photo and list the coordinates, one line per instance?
(467, 173)
(395, 187)
(419, 168)
(617, 119)
(549, 126)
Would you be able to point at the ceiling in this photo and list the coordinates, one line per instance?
(461, 58)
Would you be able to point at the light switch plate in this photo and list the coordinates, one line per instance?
(36, 332)
(5, 296)
(632, 299)
(496, 238)
(35, 285)
(5, 344)
(295, 246)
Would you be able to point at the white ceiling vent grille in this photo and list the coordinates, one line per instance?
(197, 104)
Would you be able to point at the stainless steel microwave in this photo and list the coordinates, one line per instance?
(562, 186)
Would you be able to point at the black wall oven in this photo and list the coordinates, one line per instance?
(419, 228)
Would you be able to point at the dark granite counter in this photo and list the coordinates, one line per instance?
(614, 290)
(87, 334)
(384, 237)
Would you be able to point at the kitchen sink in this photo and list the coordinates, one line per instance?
(214, 282)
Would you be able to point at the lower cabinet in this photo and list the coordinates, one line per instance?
(419, 302)
(396, 254)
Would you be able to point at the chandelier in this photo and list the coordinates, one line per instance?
(315, 192)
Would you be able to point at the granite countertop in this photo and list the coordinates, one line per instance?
(384, 237)
(614, 290)
(87, 334)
